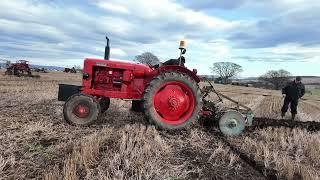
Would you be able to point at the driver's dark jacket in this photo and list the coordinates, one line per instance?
(293, 90)
(175, 62)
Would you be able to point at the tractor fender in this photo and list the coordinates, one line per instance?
(182, 69)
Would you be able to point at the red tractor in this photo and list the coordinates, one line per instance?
(70, 70)
(21, 67)
(169, 94)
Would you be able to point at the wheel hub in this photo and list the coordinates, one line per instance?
(232, 123)
(172, 102)
(81, 111)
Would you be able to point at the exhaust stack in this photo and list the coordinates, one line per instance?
(107, 50)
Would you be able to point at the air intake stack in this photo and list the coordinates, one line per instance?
(107, 50)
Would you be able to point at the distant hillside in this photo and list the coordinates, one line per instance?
(310, 79)
(49, 68)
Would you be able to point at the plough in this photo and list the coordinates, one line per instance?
(217, 111)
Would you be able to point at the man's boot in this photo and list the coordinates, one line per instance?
(293, 116)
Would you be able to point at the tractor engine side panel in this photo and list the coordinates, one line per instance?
(107, 79)
(113, 79)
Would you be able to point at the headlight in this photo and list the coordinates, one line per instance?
(85, 76)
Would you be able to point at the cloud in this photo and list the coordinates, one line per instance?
(31, 30)
(282, 53)
(112, 7)
(71, 31)
(270, 58)
(217, 4)
(261, 6)
(118, 52)
(298, 24)
(164, 13)
(66, 32)
(50, 32)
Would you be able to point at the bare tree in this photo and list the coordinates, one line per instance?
(147, 58)
(8, 63)
(78, 68)
(4, 63)
(278, 78)
(226, 70)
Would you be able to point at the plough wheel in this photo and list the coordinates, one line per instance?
(232, 123)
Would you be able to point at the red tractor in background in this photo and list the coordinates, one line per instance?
(169, 94)
(70, 70)
(21, 67)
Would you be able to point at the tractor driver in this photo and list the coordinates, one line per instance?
(175, 62)
(172, 62)
(293, 91)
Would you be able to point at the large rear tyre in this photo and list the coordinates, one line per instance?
(81, 110)
(8, 72)
(172, 100)
(16, 72)
(232, 123)
(29, 73)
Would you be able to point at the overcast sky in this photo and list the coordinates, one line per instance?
(259, 35)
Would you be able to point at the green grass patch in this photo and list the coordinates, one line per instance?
(313, 90)
(39, 149)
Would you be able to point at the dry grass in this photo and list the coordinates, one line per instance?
(112, 154)
(36, 143)
(293, 153)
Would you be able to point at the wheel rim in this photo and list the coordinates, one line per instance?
(81, 111)
(173, 102)
(231, 123)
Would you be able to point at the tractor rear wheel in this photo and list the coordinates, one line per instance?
(172, 100)
(16, 72)
(81, 109)
(232, 123)
(9, 72)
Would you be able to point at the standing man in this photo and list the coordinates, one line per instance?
(293, 91)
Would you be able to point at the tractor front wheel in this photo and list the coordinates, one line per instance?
(172, 100)
(81, 109)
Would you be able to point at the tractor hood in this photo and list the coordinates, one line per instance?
(89, 62)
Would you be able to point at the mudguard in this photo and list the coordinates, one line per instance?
(179, 69)
(67, 90)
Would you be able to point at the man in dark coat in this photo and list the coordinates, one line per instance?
(293, 91)
(175, 61)
(172, 62)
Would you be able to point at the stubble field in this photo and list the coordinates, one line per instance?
(36, 143)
